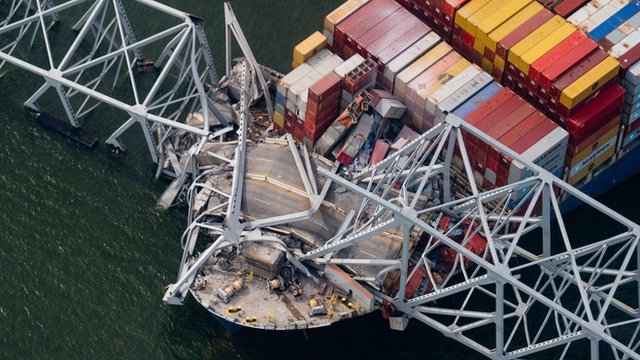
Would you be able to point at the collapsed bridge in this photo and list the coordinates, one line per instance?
(536, 286)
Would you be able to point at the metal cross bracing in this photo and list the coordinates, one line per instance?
(534, 288)
(157, 79)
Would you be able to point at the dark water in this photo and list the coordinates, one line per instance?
(84, 257)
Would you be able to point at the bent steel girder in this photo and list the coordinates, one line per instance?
(532, 287)
(157, 80)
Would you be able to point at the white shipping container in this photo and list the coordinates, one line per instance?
(627, 43)
(602, 15)
(586, 11)
(407, 57)
(624, 29)
(463, 94)
(328, 36)
(348, 65)
(319, 57)
(291, 78)
(450, 87)
(633, 73)
(307, 81)
(548, 153)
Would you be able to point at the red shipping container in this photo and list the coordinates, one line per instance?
(613, 120)
(535, 135)
(581, 68)
(317, 108)
(402, 43)
(630, 57)
(379, 152)
(485, 110)
(518, 132)
(594, 113)
(568, 7)
(510, 122)
(554, 71)
(325, 87)
(374, 12)
(395, 33)
(449, 7)
(383, 27)
(521, 32)
(488, 106)
(358, 16)
(329, 113)
(556, 53)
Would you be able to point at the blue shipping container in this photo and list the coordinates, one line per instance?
(624, 14)
(485, 94)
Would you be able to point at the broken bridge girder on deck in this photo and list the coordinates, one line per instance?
(537, 292)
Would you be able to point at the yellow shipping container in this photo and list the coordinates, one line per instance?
(308, 47)
(418, 66)
(487, 65)
(341, 13)
(278, 119)
(466, 11)
(545, 45)
(490, 8)
(498, 63)
(450, 73)
(590, 82)
(491, 22)
(589, 159)
(539, 34)
(417, 119)
(508, 26)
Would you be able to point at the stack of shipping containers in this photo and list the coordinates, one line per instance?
(572, 89)
(570, 69)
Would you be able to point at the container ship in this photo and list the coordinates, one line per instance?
(555, 82)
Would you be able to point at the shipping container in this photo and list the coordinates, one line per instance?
(464, 93)
(590, 82)
(590, 117)
(450, 87)
(494, 20)
(601, 15)
(407, 57)
(614, 21)
(589, 159)
(618, 34)
(575, 72)
(568, 7)
(499, 33)
(534, 38)
(477, 100)
(420, 65)
(573, 57)
(544, 46)
(339, 14)
(612, 121)
(308, 47)
(554, 54)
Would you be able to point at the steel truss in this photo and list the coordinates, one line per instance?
(531, 288)
(537, 288)
(161, 78)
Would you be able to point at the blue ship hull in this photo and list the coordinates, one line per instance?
(228, 325)
(617, 173)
